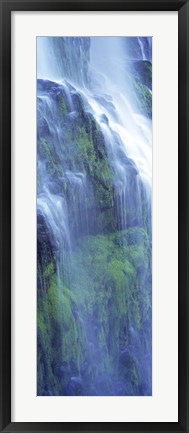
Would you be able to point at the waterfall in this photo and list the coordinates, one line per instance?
(146, 48)
(142, 49)
(94, 214)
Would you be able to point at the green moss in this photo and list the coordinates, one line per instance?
(44, 148)
(49, 271)
(144, 97)
(135, 378)
(60, 338)
(108, 275)
(62, 106)
(143, 72)
(48, 153)
(86, 150)
(108, 271)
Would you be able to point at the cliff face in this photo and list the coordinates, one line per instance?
(94, 237)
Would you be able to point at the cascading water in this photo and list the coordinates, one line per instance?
(94, 216)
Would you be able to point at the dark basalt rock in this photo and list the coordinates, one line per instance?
(44, 234)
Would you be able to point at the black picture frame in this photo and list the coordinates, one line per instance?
(6, 7)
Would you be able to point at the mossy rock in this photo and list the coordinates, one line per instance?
(143, 71)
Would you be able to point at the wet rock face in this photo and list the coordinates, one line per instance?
(94, 250)
(75, 386)
(78, 162)
(45, 252)
(143, 70)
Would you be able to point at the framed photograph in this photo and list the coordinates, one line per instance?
(94, 231)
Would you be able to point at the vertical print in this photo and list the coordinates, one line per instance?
(94, 222)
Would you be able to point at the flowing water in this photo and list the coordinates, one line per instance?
(89, 82)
